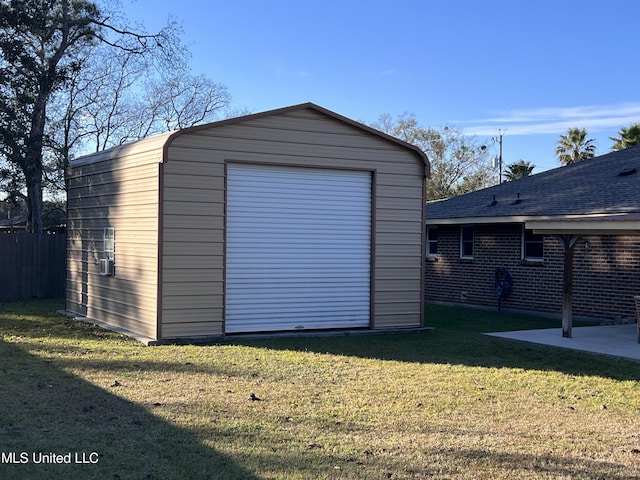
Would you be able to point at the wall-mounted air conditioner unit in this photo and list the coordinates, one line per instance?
(107, 266)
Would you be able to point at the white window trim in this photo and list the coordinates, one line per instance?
(109, 243)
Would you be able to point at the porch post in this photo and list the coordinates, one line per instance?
(568, 241)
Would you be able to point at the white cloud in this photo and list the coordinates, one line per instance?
(553, 120)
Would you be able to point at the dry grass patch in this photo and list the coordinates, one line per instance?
(446, 404)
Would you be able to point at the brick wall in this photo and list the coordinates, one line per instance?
(606, 272)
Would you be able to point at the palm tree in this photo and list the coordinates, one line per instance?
(575, 147)
(518, 169)
(627, 136)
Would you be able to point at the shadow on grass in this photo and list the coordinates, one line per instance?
(458, 339)
(47, 410)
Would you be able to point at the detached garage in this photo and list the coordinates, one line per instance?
(293, 219)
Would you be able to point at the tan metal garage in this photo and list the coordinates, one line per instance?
(293, 219)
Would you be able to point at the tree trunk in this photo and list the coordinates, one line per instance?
(34, 202)
(33, 156)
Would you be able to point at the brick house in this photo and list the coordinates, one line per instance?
(585, 215)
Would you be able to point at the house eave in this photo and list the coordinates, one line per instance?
(499, 219)
(621, 224)
(599, 223)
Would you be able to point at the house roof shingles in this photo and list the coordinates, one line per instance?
(603, 185)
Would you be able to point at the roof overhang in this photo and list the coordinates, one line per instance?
(312, 106)
(162, 142)
(601, 223)
(619, 224)
(487, 220)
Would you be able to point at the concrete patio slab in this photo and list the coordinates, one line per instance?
(614, 340)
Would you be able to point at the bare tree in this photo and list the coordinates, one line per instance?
(118, 98)
(47, 48)
(458, 163)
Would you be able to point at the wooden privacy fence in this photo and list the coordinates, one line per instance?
(32, 265)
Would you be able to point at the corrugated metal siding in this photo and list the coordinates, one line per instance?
(398, 244)
(193, 248)
(298, 248)
(116, 189)
(196, 162)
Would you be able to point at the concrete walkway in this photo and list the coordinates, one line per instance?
(614, 340)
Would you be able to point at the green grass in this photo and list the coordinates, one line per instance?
(450, 403)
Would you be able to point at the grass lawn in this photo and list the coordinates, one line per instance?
(450, 403)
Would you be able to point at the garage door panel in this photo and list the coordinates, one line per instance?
(293, 296)
(307, 221)
(300, 310)
(305, 283)
(277, 195)
(300, 255)
(289, 237)
(300, 319)
(298, 249)
(262, 275)
(312, 207)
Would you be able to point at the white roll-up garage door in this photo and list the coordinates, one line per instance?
(298, 248)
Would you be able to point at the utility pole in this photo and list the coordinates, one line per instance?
(500, 159)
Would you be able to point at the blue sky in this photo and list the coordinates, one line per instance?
(530, 69)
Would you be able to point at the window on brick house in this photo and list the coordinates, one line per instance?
(532, 245)
(466, 241)
(432, 241)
